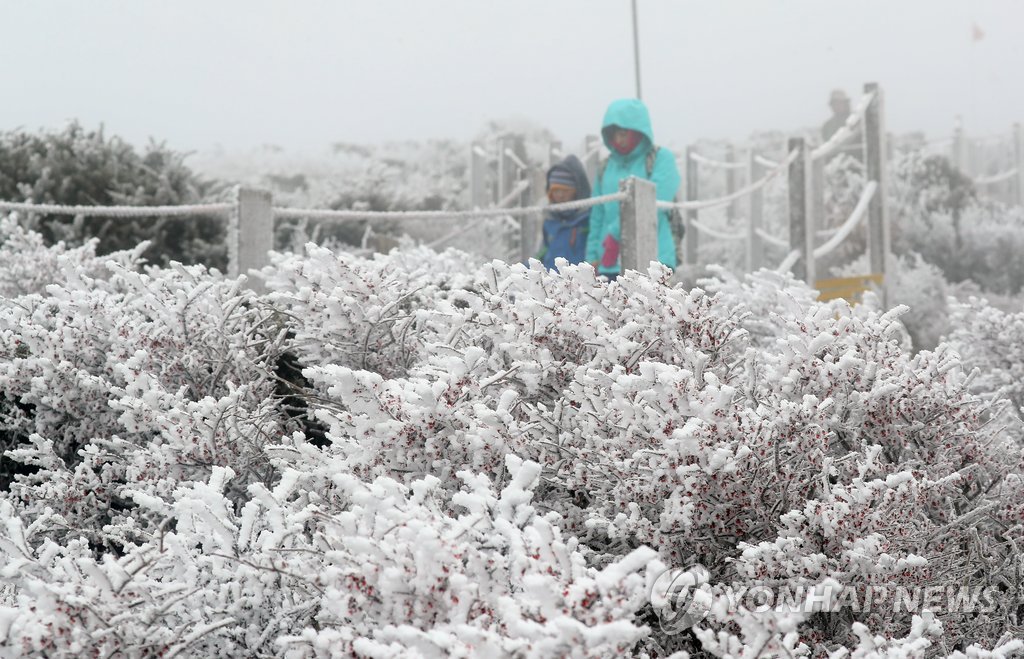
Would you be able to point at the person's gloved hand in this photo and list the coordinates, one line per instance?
(611, 252)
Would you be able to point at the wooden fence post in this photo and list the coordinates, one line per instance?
(692, 194)
(730, 182)
(639, 213)
(506, 168)
(1018, 153)
(477, 176)
(519, 172)
(818, 192)
(801, 231)
(592, 156)
(755, 245)
(250, 233)
(875, 165)
(554, 153)
(959, 145)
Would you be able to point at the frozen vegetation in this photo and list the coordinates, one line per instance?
(409, 455)
(430, 454)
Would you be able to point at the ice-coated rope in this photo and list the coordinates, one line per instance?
(996, 178)
(742, 192)
(323, 214)
(118, 211)
(718, 164)
(596, 151)
(514, 194)
(511, 155)
(721, 235)
(845, 132)
(789, 261)
(770, 239)
(859, 211)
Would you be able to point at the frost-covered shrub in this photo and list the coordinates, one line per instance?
(325, 564)
(922, 288)
(76, 166)
(992, 341)
(368, 314)
(511, 457)
(142, 378)
(29, 265)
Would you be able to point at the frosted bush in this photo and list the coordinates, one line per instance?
(508, 460)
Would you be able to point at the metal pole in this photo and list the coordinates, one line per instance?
(636, 51)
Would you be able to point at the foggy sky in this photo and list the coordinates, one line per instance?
(303, 74)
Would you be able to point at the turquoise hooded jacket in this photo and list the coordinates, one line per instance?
(604, 219)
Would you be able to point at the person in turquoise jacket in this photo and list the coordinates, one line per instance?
(627, 133)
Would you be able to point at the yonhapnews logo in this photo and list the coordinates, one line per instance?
(682, 597)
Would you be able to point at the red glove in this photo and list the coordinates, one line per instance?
(611, 252)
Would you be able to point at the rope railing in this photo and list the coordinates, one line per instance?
(513, 196)
(845, 132)
(996, 178)
(789, 261)
(770, 239)
(859, 213)
(718, 164)
(715, 233)
(727, 199)
(596, 151)
(511, 155)
(766, 162)
(345, 215)
(118, 211)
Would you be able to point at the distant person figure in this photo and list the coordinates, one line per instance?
(840, 104)
(565, 231)
(627, 133)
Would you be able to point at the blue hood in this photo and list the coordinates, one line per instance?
(579, 174)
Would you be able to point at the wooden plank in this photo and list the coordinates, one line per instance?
(849, 288)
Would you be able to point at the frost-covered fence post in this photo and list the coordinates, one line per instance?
(506, 168)
(818, 192)
(801, 231)
(529, 225)
(730, 181)
(755, 245)
(959, 145)
(692, 194)
(538, 186)
(554, 153)
(875, 165)
(250, 232)
(1018, 157)
(639, 224)
(591, 155)
(478, 176)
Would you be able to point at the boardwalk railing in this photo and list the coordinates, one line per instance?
(252, 214)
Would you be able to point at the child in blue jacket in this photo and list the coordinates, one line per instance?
(565, 231)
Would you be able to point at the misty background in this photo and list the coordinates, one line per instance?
(239, 75)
